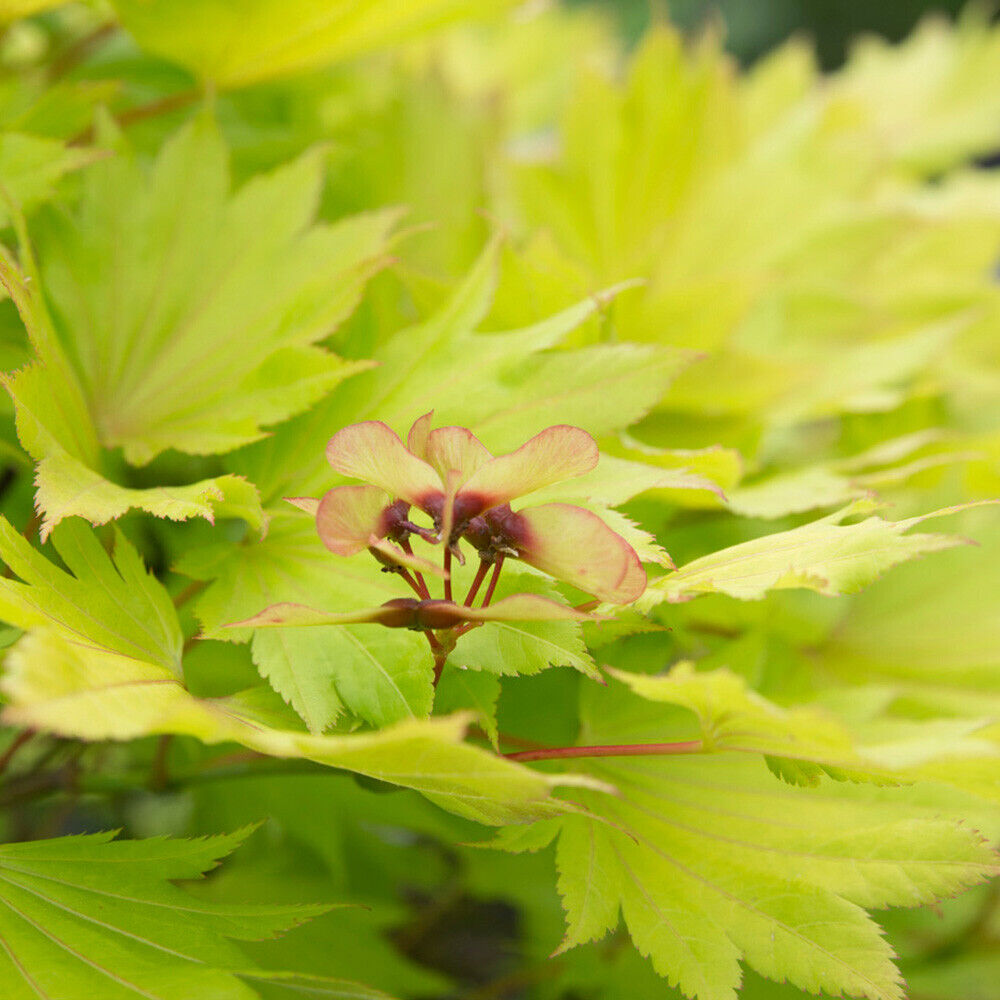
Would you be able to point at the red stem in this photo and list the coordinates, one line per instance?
(447, 571)
(439, 661)
(620, 750)
(493, 582)
(419, 587)
(476, 583)
(418, 577)
(16, 744)
(161, 106)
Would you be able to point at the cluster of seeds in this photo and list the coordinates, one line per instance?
(446, 477)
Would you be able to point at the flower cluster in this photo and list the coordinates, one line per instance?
(465, 493)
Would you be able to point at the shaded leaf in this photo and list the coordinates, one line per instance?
(88, 916)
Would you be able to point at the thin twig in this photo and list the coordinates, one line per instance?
(413, 583)
(77, 51)
(493, 582)
(16, 744)
(161, 106)
(422, 584)
(159, 775)
(477, 582)
(423, 592)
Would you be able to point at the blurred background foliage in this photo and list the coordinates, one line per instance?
(909, 225)
(751, 29)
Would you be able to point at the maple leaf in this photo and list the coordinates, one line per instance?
(30, 167)
(110, 602)
(58, 686)
(268, 38)
(90, 916)
(798, 745)
(180, 345)
(91, 665)
(381, 675)
(775, 306)
(824, 555)
(506, 382)
(711, 861)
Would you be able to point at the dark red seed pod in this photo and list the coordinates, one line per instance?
(401, 612)
(439, 614)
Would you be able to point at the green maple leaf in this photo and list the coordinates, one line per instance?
(108, 602)
(30, 167)
(267, 38)
(87, 916)
(825, 556)
(382, 675)
(799, 745)
(504, 386)
(180, 344)
(832, 299)
(58, 686)
(523, 647)
(711, 861)
(100, 661)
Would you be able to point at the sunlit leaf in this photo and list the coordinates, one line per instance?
(826, 556)
(31, 165)
(711, 861)
(111, 602)
(267, 38)
(57, 685)
(179, 344)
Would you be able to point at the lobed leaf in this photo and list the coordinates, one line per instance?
(479, 380)
(88, 916)
(382, 675)
(825, 556)
(179, 344)
(268, 38)
(57, 685)
(103, 601)
(712, 862)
